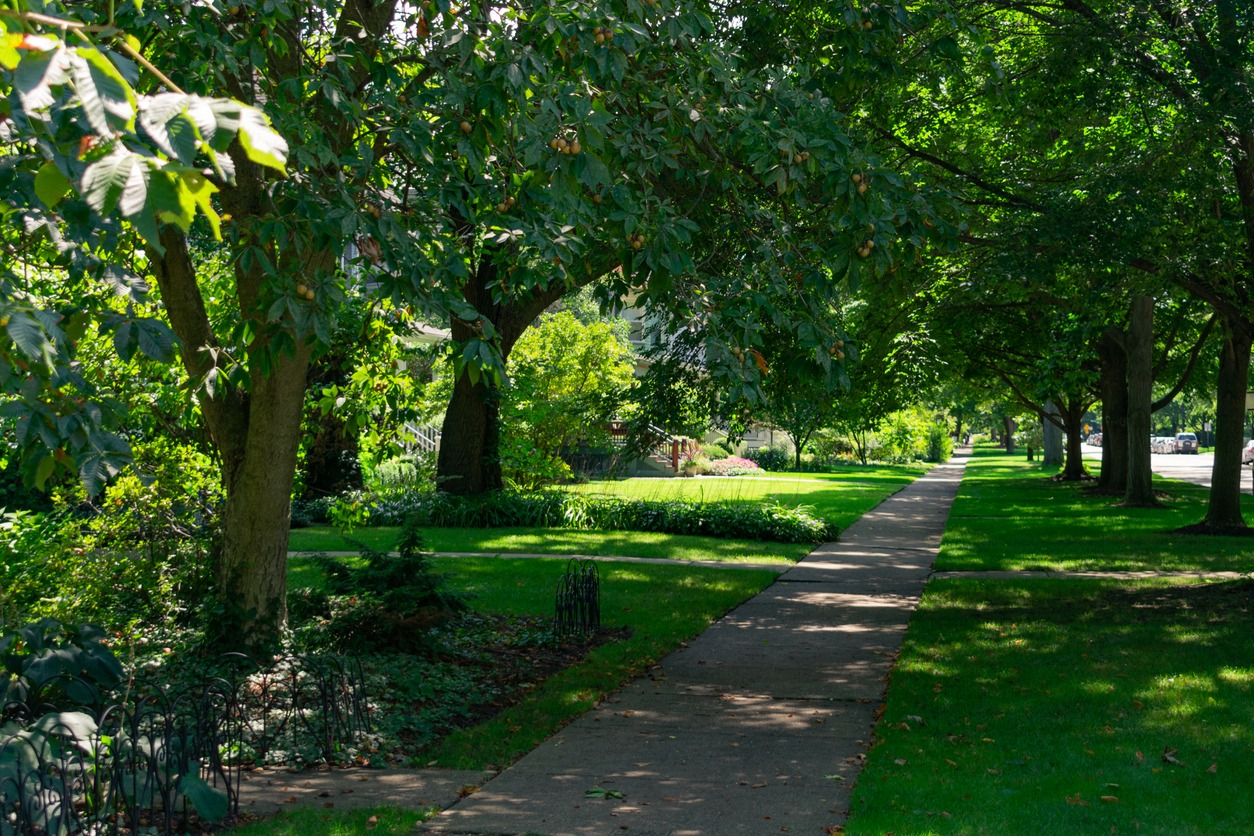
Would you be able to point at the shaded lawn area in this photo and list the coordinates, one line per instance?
(557, 541)
(839, 497)
(1068, 706)
(1010, 515)
(659, 606)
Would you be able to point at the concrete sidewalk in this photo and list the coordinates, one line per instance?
(760, 725)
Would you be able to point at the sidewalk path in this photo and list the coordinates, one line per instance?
(760, 725)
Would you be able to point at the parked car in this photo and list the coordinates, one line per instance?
(1095, 440)
(1186, 443)
(1163, 444)
(1247, 455)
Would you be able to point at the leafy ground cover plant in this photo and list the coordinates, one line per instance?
(1067, 706)
(1010, 515)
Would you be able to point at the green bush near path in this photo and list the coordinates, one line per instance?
(1067, 706)
(1010, 515)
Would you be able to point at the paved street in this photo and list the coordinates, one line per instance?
(1188, 468)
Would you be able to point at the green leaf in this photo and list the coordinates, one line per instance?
(29, 336)
(36, 75)
(108, 101)
(126, 340)
(261, 142)
(51, 186)
(106, 179)
(211, 803)
(105, 455)
(134, 197)
(156, 340)
(202, 192)
(170, 199)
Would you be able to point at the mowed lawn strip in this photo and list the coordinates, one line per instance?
(1067, 706)
(558, 541)
(661, 606)
(1009, 515)
(839, 497)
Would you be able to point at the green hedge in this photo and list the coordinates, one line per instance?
(558, 509)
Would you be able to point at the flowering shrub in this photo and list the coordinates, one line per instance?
(733, 466)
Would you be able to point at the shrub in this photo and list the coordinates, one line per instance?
(389, 602)
(714, 452)
(558, 509)
(777, 457)
(137, 562)
(939, 445)
(307, 512)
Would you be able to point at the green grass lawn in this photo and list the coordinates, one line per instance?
(839, 497)
(1010, 515)
(1068, 706)
(661, 606)
(377, 821)
(558, 541)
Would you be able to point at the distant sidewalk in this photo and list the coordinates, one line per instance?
(761, 723)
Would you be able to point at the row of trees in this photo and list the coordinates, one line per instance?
(1005, 195)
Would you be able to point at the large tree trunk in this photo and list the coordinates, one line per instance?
(1073, 419)
(257, 435)
(1051, 448)
(1224, 511)
(470, 462)
(252, 569)
(1009, 424)
(1140, 353)
(1114, 392)
(470, 441)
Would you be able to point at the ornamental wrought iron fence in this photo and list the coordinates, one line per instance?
(578, 602)
(170, 761)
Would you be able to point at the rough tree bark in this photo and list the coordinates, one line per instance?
(1140, 358)
(1052, 447)
(1114, 392)
(1223, 513)
(469, 462)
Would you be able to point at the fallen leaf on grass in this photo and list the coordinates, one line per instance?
(951, 763)
(900, 761)
(291, 799)
(1077, 801)
(1110, 799)
(1138, 705)
(1214, 767)
(1169, 756)
(372, 822)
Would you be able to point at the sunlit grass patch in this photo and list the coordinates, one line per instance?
(1067, 706)
(1010, 515)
